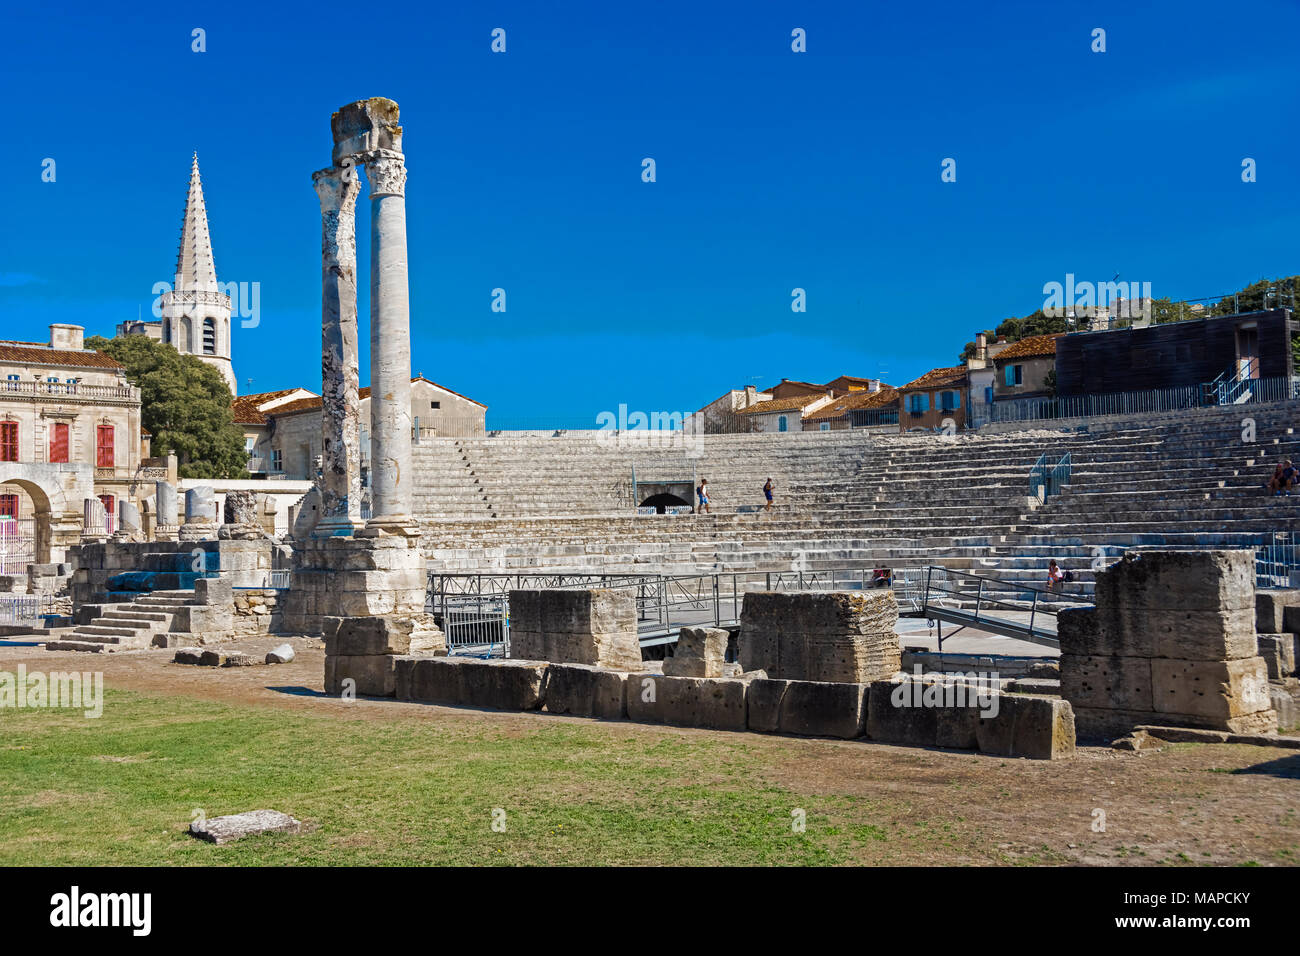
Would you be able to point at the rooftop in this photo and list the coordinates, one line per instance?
(939, 377)
(35, 353)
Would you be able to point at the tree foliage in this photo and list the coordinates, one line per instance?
(185, 406)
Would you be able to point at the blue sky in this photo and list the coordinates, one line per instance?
(775, 170)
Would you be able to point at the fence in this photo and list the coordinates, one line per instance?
(1277, 561)
(17, 545)
(16, 608)
(1155, 401)
(475, 608)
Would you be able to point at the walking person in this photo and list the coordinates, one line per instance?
(703, 492)
(767, 493)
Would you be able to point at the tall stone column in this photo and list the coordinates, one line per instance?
(391, 478)
(340, 486)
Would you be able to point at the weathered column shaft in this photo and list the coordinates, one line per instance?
(391, 479)
(340, 484)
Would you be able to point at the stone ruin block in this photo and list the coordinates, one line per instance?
(1041, 728)
(375, 675)
(700, 652)
(575, 626)
(1217, 690)
(1279, 654)
(834, 636)
(498, 685)
(585, 691)
(823, 709)
(1179, 580)
(1171, 640)
(1012, 725)
(714, 703)
(393, 634)
(1270, 610)
(1119, 682)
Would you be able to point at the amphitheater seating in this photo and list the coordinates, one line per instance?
(564, 501)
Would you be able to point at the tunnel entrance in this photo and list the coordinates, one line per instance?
(663, 499)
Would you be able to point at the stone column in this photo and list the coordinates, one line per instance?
(93, 523)
(128, 523)
(166, 514)
(391, 479)
(340, 485)
(200, 514)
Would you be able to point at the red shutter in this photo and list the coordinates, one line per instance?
(104, 446)
(59, 443)
(8, 441)
(8, 506)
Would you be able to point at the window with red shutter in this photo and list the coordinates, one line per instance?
(8, 506)
(8, 441)
(59, 443)
(104, 446)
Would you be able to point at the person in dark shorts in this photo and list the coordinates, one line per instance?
(767, 493)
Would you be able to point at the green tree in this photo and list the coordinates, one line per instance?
(185, 406)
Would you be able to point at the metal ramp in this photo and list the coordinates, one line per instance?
(949, 595)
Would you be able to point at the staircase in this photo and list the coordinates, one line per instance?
(142, 623)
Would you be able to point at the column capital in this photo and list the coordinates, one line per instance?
(386, 170)
(337, 187)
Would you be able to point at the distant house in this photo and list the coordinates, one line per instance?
(784, 414)
(720, 415)
(932, 399)
(872, 408)
(789, 389)
(282, 430)
(1023, 368)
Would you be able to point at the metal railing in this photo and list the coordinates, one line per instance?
(1153, 401)
(1031, 616)
(17, 545)
(1047, 478)
(475, 608)
(1277, 561)
(19, 608)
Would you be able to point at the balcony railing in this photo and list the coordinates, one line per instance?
(73, 390)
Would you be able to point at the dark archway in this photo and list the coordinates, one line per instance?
(660, 501)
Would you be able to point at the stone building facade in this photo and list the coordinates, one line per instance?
(69, 430)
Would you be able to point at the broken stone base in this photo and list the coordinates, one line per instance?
(585, 691)
(353, 577)
(239, 825)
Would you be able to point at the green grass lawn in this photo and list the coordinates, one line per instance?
(121, 790)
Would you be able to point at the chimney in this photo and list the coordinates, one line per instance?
(751, 396)
(873, 385)
(67, 337)
(981, 346)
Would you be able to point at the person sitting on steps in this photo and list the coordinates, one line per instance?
(1284, 479)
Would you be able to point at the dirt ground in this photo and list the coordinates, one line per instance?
(1189, 803)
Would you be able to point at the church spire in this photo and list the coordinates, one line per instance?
(195, 269)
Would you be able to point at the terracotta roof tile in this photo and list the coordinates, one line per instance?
(1030, 347)
(887, 395)
(31, 353)
(792, 403)
(245, 407)
(937, 377)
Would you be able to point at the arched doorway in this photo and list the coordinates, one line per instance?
(26, 533)
(660, 501)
